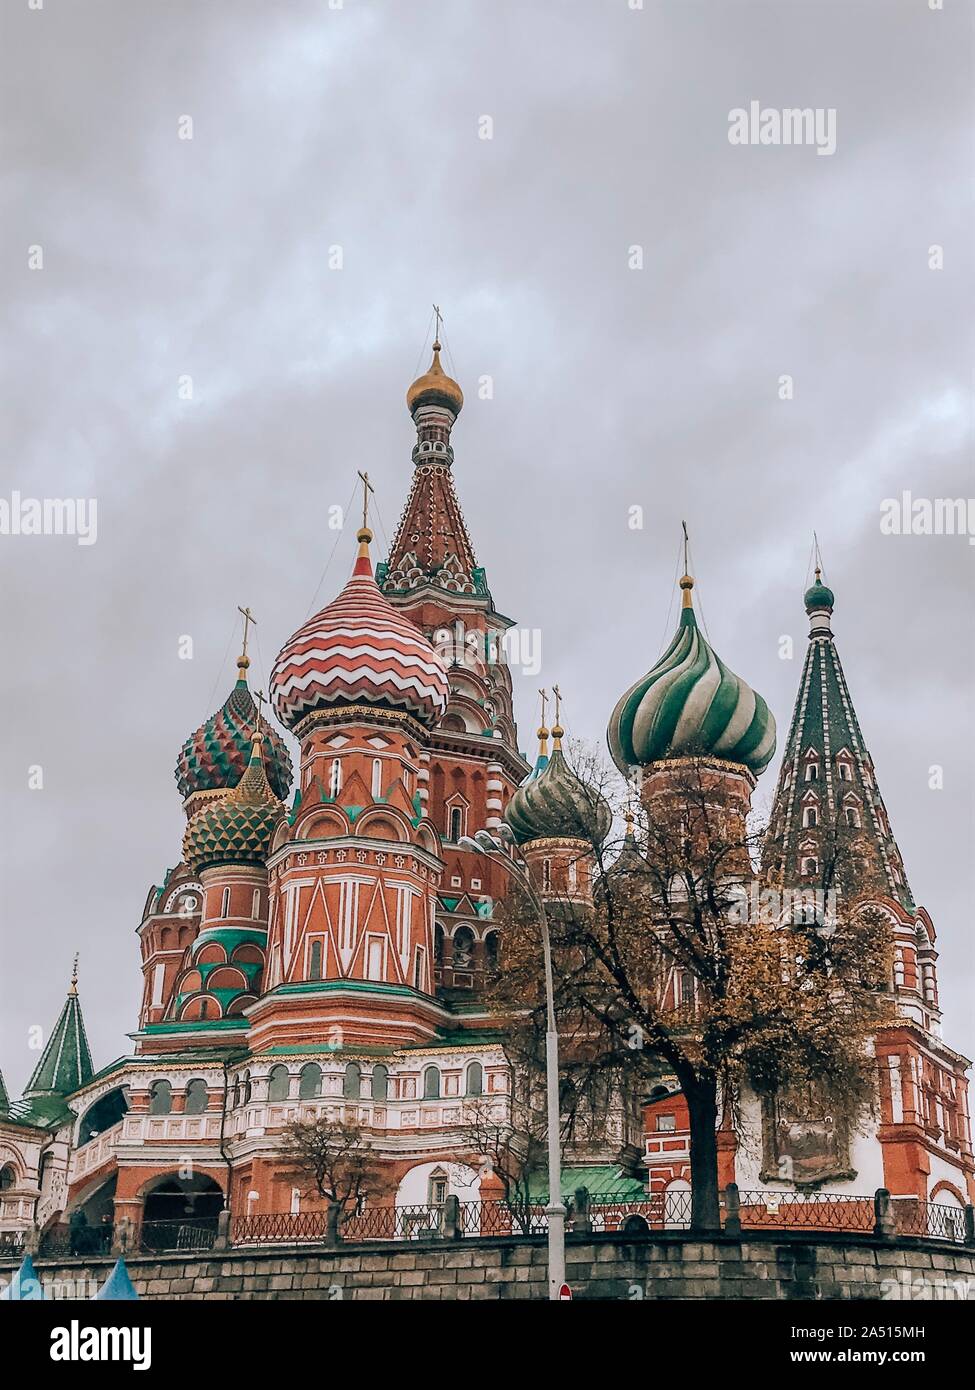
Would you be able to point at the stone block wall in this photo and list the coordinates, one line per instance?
(604, 1266)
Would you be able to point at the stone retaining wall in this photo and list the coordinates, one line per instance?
(605, 1266)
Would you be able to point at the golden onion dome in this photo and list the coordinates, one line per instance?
(435, 387)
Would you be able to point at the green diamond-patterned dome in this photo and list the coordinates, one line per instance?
(552, 801)
(236, 828)
(215, 756)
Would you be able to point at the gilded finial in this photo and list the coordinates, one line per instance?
(364, 535)
(73, 987)
(686, 583)
(543, 727)
(243, 661)
(557, 730)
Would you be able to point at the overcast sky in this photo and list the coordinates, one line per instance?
(360, 127)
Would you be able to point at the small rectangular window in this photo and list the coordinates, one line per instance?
(666, 1124)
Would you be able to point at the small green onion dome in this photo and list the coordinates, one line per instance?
(552, 802)
(818, 595)
(236, 828)
(215, 757)
(690, 705)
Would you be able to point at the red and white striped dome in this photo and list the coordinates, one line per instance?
(359, 650)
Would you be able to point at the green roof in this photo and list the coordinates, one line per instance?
(65, 1063)
(600, 1180)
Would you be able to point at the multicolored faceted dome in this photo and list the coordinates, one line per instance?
(435, 387)
(359, 651)
(553, 803)
(691, 705)
(235, 828)
(215, 756)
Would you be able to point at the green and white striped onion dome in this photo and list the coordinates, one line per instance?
(553, 803)
(236, 828)
(690, 705)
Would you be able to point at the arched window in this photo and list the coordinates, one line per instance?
(810, 865)
(196, 1097)
(352, 1081)
(7, 1177)
(310, 1081)
(256, 905)
(546, 875)
(245, 1089)
(225, 903)
(431, 1083)
(573, 876)
(380, 1082)
(278, 1083)
(438, 945)
(475, 1079)
(43, 1166)
(810, 816)
(844, 771)
(492, 947)
(812, 771)
(335, 780)
(456, 824)
(377, 778)
(463, 948)
(160, 1098)
(852, 816)
(315, 962)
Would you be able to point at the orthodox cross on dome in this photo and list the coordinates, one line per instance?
(259, 699)
(543, 696)
(243, 661)
(73, 989)
(543, 727)
(367, 487)
(439, 319)
(686, 583)
(557, 729)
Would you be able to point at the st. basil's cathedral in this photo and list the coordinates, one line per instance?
(324, 944)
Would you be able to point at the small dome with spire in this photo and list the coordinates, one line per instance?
(553, 802)
(435, 387)
(214, 757)
(690, 705)
(359, 650)
(818, 595)
(235, 828)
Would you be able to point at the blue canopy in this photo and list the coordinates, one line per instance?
(25, 1283)
(118, 1285)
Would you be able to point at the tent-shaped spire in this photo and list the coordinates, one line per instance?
(4, 1098)
(829, 823)
(65, 1063)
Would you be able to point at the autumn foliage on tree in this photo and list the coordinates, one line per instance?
(673, 970)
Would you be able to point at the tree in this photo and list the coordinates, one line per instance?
(508, 1138)
(338, 1160)
(672, 968)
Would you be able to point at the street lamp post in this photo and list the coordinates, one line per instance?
(486, 844)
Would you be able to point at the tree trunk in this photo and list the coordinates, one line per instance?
(702, 1105)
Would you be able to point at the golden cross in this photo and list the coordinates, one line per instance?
(259, 698)
(684, 524)
(558, 702)
(367, 487)
(248, 619)
(544, 695)
(74, 975)
(436, 310)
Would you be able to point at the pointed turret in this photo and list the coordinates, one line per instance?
(65, 1063)
(4, 1098)
(431, 545)
(828, 819)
